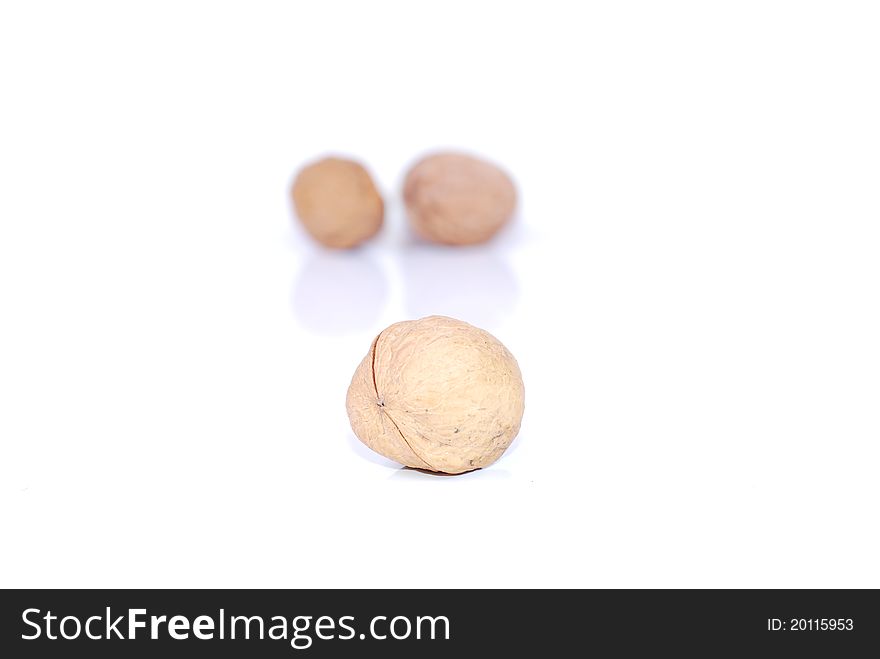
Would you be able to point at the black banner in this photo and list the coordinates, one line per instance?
(332, 623)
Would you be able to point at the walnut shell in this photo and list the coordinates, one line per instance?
(437, 394)
(337, 202)
(456, 199)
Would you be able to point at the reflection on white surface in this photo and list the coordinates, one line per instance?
(368, 454)
(362, 451)
(338, 292)
(473, 284)
(489, 473)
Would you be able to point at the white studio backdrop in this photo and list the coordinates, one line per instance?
(691, 289)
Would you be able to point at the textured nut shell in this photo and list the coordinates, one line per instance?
(337, 202)
(457, 199)
(437, 394)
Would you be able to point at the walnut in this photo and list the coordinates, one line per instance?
(337, 202)
(437, 394)
(456, 199)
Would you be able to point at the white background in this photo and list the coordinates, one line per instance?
(692, 289)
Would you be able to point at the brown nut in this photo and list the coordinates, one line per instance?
(456, 199)
(437, 394)
(337, 202)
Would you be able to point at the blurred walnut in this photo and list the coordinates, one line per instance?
(337, 202)
(457, 199)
